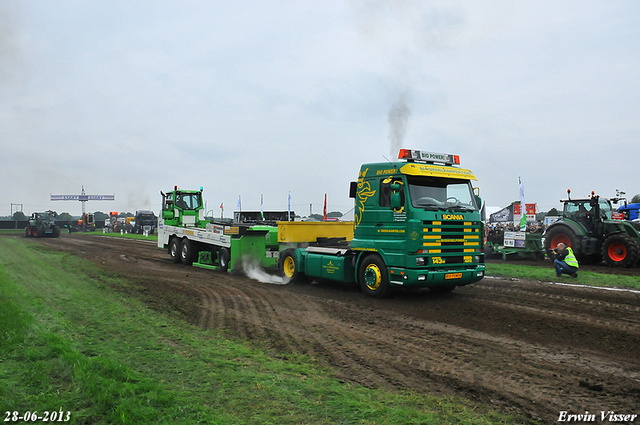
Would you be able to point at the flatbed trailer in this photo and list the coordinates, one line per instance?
(192, 240)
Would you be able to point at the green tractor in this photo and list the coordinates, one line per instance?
(42, 224)
(586, 226)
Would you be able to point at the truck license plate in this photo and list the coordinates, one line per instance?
(453, 276)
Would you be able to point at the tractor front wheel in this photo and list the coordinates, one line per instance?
(619, 250)
(373, 278)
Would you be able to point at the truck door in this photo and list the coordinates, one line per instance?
(391, 215)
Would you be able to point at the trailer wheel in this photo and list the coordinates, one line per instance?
(188, 252)
(223, 259)
(373, 278)
(619, 250)
(174, 249)
(288, 265)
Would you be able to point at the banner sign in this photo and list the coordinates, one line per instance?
(514, 239)
(83, 197)
(503, 216)
(531, 209)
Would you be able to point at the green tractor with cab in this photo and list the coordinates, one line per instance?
(42, 224)
(586, 226)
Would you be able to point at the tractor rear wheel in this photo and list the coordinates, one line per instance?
(56, 232)
(619, 250)
(39, 232)
(561, 234)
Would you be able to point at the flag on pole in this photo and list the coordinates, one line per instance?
(239, 204)
(324, 214)
(523, 208)
(289, 207)
(261, 207)
(222, 210)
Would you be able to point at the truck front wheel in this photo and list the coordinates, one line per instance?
(619, 250)
(174, 249)
(373, 278)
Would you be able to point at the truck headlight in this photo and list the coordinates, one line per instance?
(420, 261)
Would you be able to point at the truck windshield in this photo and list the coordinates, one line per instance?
(432, 193)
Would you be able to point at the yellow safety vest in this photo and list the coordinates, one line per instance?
(571, 259)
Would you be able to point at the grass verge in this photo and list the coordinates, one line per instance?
(69, 342)
(153, 237)
(547, 273)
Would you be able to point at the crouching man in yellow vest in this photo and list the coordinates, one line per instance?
(565, 261)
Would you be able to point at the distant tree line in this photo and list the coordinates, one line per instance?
(65, 216)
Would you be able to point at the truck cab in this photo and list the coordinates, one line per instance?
(183, 208)
(417, 223)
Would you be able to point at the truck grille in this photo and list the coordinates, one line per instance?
(452, 242)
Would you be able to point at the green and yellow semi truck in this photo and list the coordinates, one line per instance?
(417, 224)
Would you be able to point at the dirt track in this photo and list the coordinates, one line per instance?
(526, 347)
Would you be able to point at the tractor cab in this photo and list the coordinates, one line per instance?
(590, 212)
(587, 212)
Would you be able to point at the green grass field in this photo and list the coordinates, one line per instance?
(546, 272)
(153, 237)
(70, 342)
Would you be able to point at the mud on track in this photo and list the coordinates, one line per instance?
(525, 347)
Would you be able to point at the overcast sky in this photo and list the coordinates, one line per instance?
(251, 98)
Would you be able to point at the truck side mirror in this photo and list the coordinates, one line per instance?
(353, 189)
(396, 197)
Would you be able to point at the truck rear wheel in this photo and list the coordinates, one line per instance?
(373, 278)
(288, 265)
(188, 252)
(619, 250)
(174, 249)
